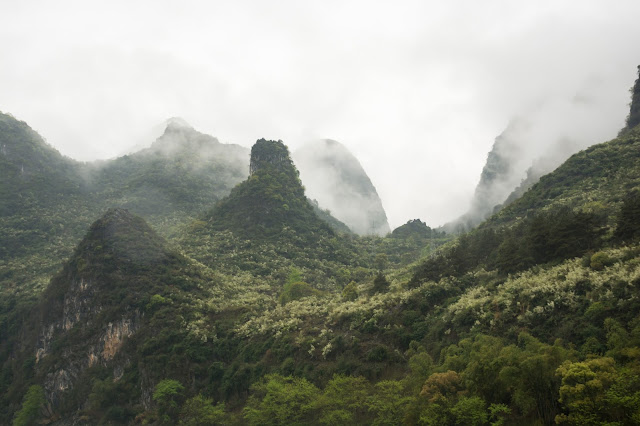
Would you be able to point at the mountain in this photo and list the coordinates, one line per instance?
(570, 212)
(254, 311)
(267, 224)
(595, 179)
(271, 199)
(48, 200)
(334, 177)
(183, 171)
(33, 171)
(108, 316)
(512, 167)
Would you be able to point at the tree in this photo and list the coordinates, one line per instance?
(381, 261)
(583, 390)
(31, 410)
(200, 411)
(296, 291)
(344, 400)
(633, 119)
(470, 411)
(168, 395)
(350, 291)
(380, 284)
(440, 392)
(279, 400)
(628, 223)
(388, 402)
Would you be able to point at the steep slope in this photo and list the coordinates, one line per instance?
(596, 178)
(570, 212)
(266, 225)
(335, 178)
(513, 165)
(633, 119)
(270, 200)
(32, 171)
(122, 289)
(38, 184)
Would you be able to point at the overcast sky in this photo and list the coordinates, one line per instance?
(417, 90)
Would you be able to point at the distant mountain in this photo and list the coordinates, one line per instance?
(183, 170)
(413, 229)
(568, 213)
(594, 179)
(334, 177)
(512, 167)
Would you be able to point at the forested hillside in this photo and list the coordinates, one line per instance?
(246, 307)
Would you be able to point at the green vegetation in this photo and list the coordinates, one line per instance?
(32, 405)
(255, 311)
(633, 119)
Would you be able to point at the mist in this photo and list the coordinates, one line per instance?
(417, 91)
(335, 179)
(532, 145)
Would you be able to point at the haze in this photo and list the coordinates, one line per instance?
(417, 91)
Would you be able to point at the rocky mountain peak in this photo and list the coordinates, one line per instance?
(634, 111)
(265, 153)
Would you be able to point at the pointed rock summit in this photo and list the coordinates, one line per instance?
(271, 200)
(633, 119)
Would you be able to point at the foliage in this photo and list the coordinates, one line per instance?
(32, 405)
(380, 284)
(531, 318)
(350, 292)
(169, 395)
(200, 411)
(281, 400)
(628, 220)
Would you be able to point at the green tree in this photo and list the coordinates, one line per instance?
(470, 411)
(31, 410)
(583, 390)
(200, 411)
(388, 402)
(278, 400)
(297, 291)
(382, 261)
(168, 395)
(628, 220)
(633, 119)
(344, 401)
(350, 291)
(439, 394)
(380, 284)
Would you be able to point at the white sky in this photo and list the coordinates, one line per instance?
(417, 90)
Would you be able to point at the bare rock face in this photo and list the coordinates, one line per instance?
(84, 318)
